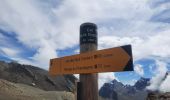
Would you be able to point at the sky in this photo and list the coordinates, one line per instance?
(34, 31)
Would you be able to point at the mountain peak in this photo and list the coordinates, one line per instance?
(142, 83)
(121, 91)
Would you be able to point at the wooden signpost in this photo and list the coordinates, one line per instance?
(90, 62)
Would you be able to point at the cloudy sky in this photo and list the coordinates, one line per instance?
(33, 31)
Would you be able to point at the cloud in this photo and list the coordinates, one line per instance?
(159, 76)
(158, 3)
(9, 52)
(165, 87)
(29, 24)
(76, 75)
(34, 29)
(105, 78)
(139, 70)
(44, 53)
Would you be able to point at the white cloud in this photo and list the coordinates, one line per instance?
(157, 79)
(32, 27)
(76, 75)
(43, 54)
(139, 70)
(165, 87)
(11, 52)
(105, 77)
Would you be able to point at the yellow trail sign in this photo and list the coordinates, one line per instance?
(108, 60)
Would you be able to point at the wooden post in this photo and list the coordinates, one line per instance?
(88, 43)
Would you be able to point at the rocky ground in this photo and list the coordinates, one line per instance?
(158, 96)
(16, 91)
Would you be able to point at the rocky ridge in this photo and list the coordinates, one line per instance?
(36, 77)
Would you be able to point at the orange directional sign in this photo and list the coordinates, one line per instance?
(108, 60)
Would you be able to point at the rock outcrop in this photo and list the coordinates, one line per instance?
(158, 96)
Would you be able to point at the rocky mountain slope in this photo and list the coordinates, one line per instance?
(158, 96)
(35, 77)
(17, 91)
(118, 91)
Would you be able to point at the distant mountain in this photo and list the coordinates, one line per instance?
(36, 77)
(142, 83)
(107, 91)
(117, 91)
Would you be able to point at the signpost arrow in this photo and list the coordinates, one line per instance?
(108, 60)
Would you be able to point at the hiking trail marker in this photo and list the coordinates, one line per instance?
(108, 60)
(90, 62)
